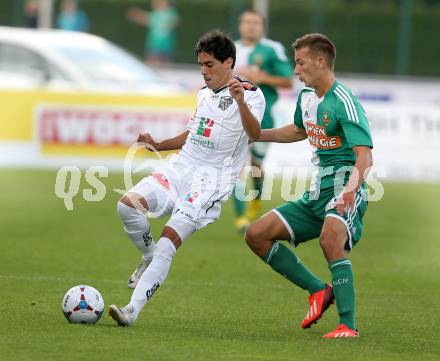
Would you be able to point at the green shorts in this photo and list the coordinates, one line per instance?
(305, 217)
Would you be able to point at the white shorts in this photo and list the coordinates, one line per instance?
(193, 201)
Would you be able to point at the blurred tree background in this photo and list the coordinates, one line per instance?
(372, 36)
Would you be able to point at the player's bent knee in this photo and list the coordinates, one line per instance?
(178, 229)
(250, 235)
(253, 237)
(134, 200)
(172, 235)
(326, 241)
(257, 241)
(125, 200)
(332, 245)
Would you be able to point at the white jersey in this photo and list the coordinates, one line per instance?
(216, 136)
(242, 53)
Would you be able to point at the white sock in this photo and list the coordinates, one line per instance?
(154, 275)
(137, 228)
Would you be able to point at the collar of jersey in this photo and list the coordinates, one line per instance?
(218, 90)
(332, 88)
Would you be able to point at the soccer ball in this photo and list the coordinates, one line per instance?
(83, 304)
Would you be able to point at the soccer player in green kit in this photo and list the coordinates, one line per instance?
(264, 62)
(334, 122)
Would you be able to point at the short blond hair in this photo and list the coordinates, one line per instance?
(318, 44)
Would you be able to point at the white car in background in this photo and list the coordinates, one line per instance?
(73, 61)
(75, 98)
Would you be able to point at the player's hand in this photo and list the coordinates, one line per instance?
(253, 74)
(345, 202)
(148, 140)
(137, 15)
(236, 90)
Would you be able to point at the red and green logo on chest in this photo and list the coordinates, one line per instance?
(205, 127)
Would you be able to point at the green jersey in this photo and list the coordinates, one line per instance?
(270, 57)
(161, 31)
(334, 124)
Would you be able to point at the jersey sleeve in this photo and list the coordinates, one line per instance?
(256, 103)
(354, 122)
(298, 119)
(191, 121)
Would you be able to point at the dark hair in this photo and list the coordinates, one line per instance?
(318, 43)
(253, 12)
(218, 44)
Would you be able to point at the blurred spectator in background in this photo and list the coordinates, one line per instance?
(71, 17)
(31, 13)
(161, 23)
(264, 62)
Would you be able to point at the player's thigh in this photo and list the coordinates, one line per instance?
(333, 238)
(156, 191)
(194, 210)
(353, 220)
(269, 227)
(300, 223)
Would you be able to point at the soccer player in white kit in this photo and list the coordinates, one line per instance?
(199, 178)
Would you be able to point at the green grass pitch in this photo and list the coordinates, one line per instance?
(220, 302)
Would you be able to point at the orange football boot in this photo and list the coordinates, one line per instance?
(319, 302)
(342, 331)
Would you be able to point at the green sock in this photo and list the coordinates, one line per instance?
(239, 206)
(343, 289)
(287, 264)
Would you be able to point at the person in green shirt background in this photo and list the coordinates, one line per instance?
(161, 23)
(264, 62)
(71, 17)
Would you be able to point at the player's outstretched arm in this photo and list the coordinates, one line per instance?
(167, 144)
(138, 16)
(287, 134)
